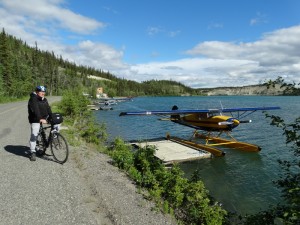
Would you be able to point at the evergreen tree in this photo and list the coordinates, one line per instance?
(5, 63)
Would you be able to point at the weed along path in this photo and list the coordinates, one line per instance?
(87, 189)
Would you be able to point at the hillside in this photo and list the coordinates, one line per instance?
(245, 90)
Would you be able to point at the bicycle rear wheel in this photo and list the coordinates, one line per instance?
(59, 148)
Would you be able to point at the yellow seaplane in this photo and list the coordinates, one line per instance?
(212, 122)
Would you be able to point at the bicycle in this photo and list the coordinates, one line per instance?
(57, 142)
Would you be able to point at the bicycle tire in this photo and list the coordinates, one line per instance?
(59, 148)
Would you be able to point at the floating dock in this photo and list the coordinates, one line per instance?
(172, 152)
(214, 151)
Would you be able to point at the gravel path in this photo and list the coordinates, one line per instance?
(87, 189)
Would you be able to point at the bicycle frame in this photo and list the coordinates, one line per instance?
(43, 134)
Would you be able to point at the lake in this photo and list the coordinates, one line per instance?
(241, 181)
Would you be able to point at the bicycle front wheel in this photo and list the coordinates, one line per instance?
(59, 148)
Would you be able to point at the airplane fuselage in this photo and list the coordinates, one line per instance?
(209, 123)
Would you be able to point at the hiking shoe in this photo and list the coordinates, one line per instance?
(33, 156)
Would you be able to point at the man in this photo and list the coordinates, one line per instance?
(38, 111)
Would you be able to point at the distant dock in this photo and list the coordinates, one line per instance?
(173, 152)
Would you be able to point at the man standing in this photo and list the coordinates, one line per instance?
(38, 111)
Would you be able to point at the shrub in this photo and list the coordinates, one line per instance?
(122, 155)
(81, 121)
(198, 207)
(187, 200)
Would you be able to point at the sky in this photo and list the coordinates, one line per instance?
(200, 43)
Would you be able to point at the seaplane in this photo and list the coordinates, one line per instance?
(211, 122)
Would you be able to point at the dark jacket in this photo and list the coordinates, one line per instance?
(38, 108)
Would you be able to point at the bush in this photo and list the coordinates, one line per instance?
(187, 200)
(81, 121)
(122, 155)
(74, 104)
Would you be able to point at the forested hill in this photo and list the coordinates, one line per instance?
(23, 67)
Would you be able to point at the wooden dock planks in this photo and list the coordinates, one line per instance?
(171, 152)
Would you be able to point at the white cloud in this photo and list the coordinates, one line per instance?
(258, 19)
(216, 49)
(214, 25)
(277, 53)
(47, 13)
(42, 24)
(208, 64)
(194, 72)
(174, 33)
(99, 55)
(151, 31)
(216, 63)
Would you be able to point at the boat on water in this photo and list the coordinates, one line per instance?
(106, 107)
(106, 103)
(122, 99)
(96, 107)
(113, 100)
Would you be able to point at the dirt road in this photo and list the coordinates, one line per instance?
(85, 190)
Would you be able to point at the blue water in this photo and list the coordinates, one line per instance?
(241, 181)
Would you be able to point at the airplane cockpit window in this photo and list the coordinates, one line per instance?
(203, 115)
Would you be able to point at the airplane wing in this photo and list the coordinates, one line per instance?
(197, 111)
(168, 112)
(243, 112)
(249, 109)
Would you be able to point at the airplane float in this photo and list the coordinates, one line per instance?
(209, 121)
